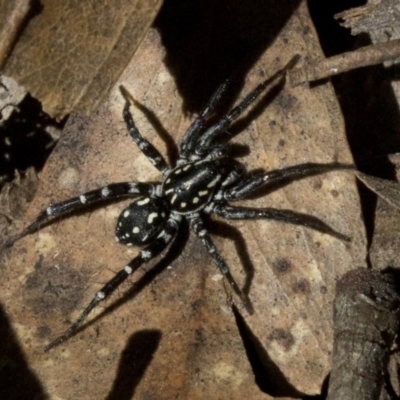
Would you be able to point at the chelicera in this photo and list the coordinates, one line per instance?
(205, 180)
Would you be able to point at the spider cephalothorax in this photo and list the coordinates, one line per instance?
(204, 181)
(190, 187)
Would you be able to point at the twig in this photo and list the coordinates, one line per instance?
(363, 57)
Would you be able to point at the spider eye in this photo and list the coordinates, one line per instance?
(141, 221)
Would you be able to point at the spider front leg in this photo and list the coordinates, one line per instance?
(110, 192)
(211, 136)
(191, 136)
(218, 132)
(153, 155)
(148, 253)
(287, 216)
(198, 227)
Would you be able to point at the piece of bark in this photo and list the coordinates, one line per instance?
(382, 15)
(366, 318)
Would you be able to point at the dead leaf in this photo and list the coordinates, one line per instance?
(384, 251)
(384, 188)
(182, 316)
(70, 55)
(12, 17)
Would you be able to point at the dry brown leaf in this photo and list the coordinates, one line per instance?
(299, 267)
(70, 55)
(384, 251)
(384, 188)
(191, 323)
(12, 18)
(178, 332)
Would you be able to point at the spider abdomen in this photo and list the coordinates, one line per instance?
(141, 221)
(189, 187)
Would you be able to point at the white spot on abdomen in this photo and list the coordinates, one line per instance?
(151, 217)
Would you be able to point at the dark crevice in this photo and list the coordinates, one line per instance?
(25, 140)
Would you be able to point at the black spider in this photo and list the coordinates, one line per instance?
(204, 181)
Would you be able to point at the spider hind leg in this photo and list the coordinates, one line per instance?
(106, 193)
(287, 216)
(198, 227)
(148, 253)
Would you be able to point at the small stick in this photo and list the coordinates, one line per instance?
(363, 57)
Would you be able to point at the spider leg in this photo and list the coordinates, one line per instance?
(191, 136)
(250, 183)
(198, 227)
(148, 253)
(287, 216)
(211, 136)
(148, 149)
(110, 192)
